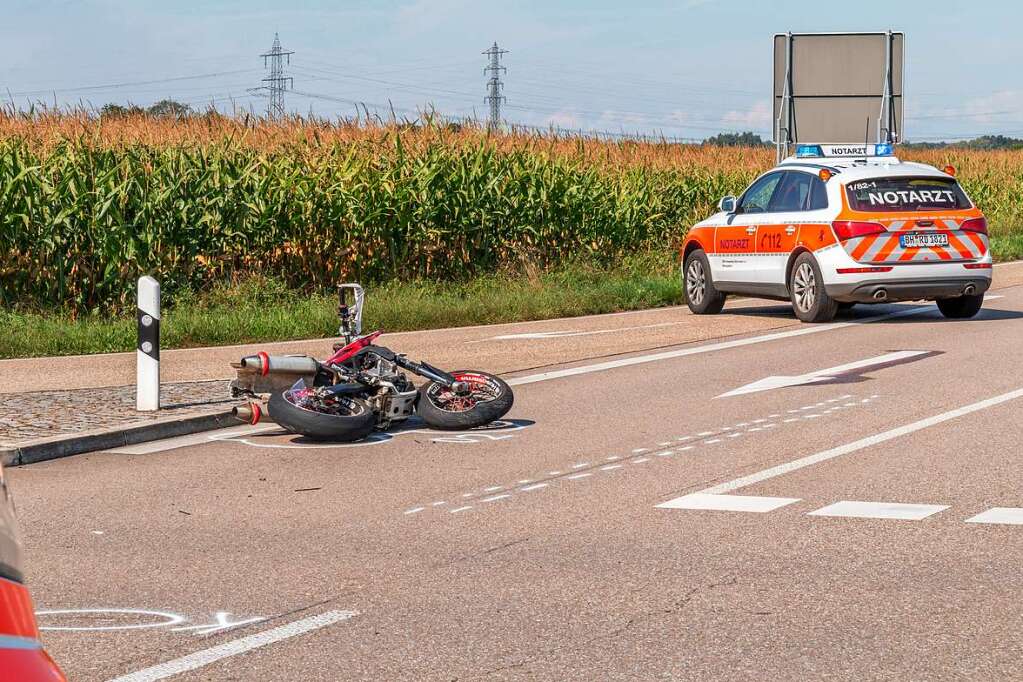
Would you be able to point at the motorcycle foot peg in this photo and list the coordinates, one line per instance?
(249, 413)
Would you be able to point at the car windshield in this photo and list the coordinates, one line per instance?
(906, 194)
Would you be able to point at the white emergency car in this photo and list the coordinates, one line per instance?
(837, 225)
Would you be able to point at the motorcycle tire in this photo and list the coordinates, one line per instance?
(319, 425)
(489, 400)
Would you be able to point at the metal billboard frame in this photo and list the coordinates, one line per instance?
(888, 99)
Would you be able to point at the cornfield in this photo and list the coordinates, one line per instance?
(88, 205)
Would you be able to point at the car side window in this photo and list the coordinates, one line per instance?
(757, 198)
(818, 194)
(792, 193)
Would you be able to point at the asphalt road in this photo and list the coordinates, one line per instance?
(628, 522)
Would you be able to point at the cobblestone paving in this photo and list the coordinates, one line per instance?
(41, 414)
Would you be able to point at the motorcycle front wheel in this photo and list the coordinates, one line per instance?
(340, 418)
(489, 398)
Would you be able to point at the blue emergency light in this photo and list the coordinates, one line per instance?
(806, 151)
(885, 149)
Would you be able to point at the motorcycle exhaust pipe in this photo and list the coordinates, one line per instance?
(970, 290)
(881, 295)
(250, 413)
(264, 364)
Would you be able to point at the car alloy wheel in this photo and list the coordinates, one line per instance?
(805, 287)
(696, 282)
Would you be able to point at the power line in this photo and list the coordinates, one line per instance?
(116, 86)
(277, 82)
(494, 85)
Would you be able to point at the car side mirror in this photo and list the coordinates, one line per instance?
(728, 204)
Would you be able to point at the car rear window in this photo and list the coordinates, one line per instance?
(906, 194)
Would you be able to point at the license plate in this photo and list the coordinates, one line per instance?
(919, 239)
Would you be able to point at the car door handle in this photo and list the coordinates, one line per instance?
(791, 229)
(751, 230)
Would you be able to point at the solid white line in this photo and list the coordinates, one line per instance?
(740, 503)
(1003, 515)
(863, 443)
(235, 647)
(879, 510)
(709, 348)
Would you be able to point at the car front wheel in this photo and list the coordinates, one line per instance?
(702, 296)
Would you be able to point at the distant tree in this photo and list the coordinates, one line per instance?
(119, 111)
(985, 142)
(170, 108)
(747, 139)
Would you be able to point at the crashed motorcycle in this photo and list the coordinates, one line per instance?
(362, 387)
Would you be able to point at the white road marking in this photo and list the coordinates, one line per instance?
(612, 458)
(235, 647)
(668, 453)
(438, 503)
(862, 443)
(461, 509)
(879, 510)
(554, 473)
(739, 503)
(701, 434)
(611, 467)
(665, 443)
(1002, 515)
(535, 486)
(466, 494)
(688, 447)
(580, 465)
(775, 382)
(155, 446)
(525, 481)
(709, 348)
(414, 510)
(734, 435)
(493, 488)
(641, 460)
(712, 441)
(790, 420)
(495, 498)
(639, 450)
(575, 477)
(570, 333)
(682, 439)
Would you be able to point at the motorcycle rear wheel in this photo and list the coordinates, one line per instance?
(488, 400)
(344, 419)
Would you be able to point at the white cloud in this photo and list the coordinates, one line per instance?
(757, 116)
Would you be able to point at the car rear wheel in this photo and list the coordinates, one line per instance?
(810, 300)
(960, 307)
(702, 296)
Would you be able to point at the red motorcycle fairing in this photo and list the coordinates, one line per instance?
(352, 348)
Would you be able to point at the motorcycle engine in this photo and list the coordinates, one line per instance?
(389, 404)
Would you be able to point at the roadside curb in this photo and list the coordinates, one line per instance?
(75, 444)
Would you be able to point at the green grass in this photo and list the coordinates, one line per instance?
(265, 310)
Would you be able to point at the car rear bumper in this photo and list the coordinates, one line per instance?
(880, 291)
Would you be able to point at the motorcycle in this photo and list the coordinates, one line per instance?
(362, 387)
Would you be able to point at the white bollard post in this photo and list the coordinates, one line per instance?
(147, 355)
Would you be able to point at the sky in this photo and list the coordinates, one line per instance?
(686, 69)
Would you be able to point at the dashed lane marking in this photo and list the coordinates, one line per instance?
(879, 510)
(999, 515)
(733, 431)
(495, 498)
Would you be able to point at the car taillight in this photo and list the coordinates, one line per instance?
(847, 229)
(978, 225)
